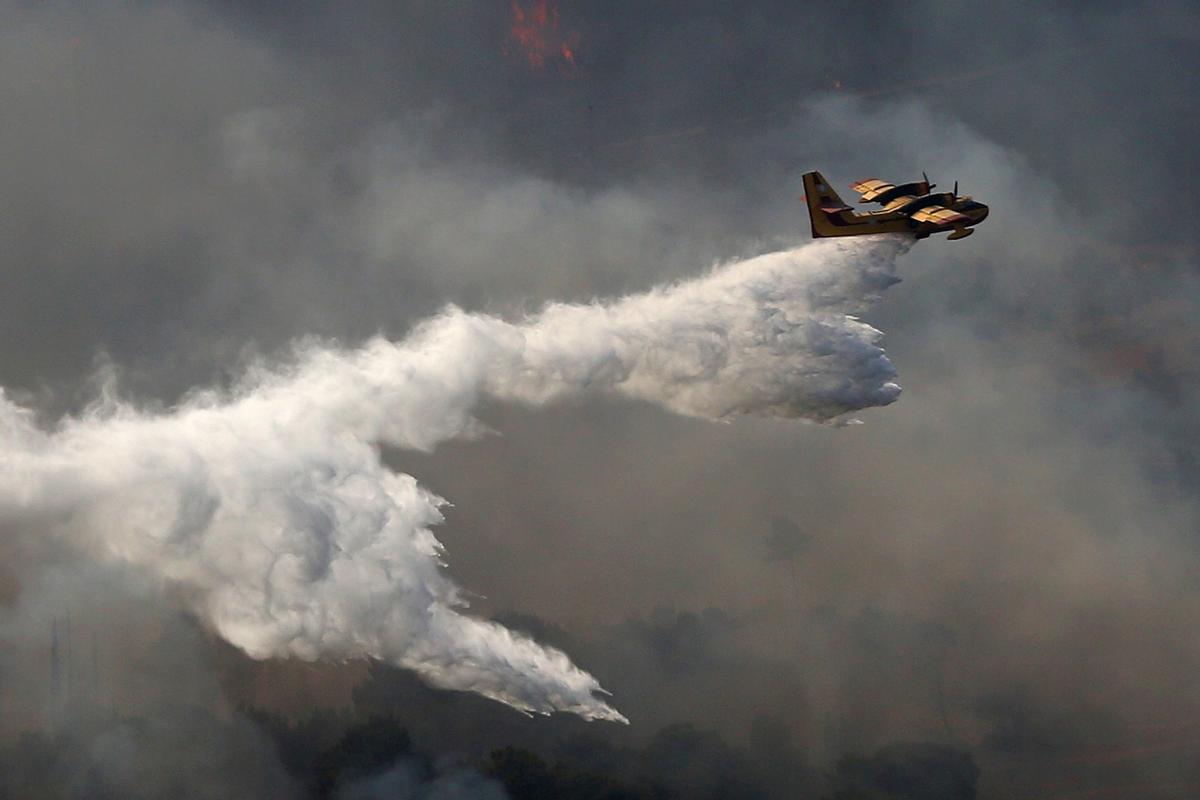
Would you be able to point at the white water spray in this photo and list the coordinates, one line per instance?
(272, 512)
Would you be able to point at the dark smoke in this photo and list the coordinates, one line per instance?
(995, 573)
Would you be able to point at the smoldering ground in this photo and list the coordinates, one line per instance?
(1000, 562)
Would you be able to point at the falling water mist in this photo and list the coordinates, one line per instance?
(270, 510)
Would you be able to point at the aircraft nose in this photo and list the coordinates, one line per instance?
(981, 213)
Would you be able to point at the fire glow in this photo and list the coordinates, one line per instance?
(536, 35)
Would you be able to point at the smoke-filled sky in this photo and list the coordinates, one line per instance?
(292, 288)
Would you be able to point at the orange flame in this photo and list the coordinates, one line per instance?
(536, 33)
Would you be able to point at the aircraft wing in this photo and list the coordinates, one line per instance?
(897, 203)
(939, 215)
(871, 188)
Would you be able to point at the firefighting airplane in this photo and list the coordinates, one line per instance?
(907, 208)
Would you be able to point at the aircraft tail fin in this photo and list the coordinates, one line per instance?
(822, 201)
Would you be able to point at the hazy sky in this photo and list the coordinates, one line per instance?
(1004, 560)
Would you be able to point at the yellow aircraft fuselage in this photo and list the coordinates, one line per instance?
(919, 215)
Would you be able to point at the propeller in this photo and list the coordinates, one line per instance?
(926, 179)
(956, 188)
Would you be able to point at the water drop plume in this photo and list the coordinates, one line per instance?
(269, 510)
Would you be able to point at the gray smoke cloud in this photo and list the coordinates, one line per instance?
(273, 511)
(1002, 561)
(405, 782)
